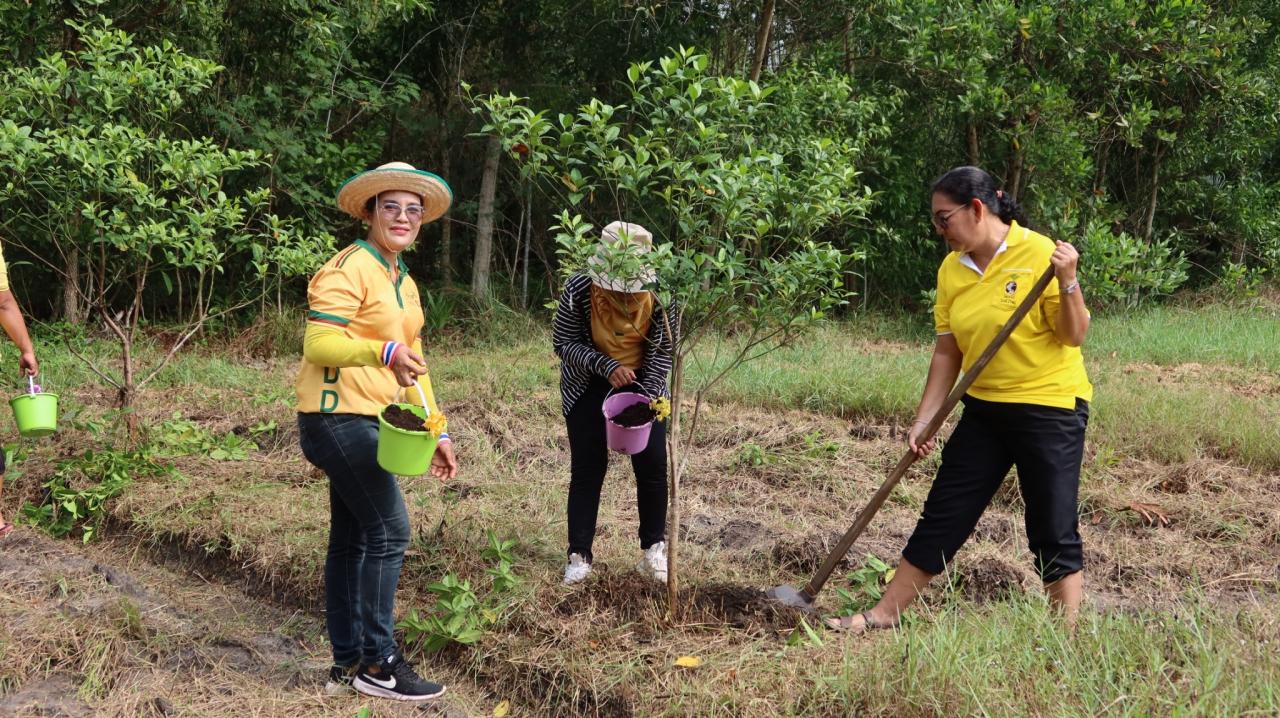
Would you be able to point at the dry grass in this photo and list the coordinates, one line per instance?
(766, 495)
(103, 631)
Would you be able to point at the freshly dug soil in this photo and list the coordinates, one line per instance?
(632, 597)
(402, 418)
(634, 415)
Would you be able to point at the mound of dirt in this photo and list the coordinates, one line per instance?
(989, 579)
(741, 534)
(807, 554)
(632, 597)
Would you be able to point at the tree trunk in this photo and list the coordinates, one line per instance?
(762, 40)
(1013, 176)
(973, 143)
(673, 458)
(446, 229)
(72, 307)
(1155, 191)
(845, 32)
(484, 220)
(528, 240)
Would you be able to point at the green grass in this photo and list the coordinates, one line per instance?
(1245, 336)
(834, 370)
(1015, 658)
(876, 368)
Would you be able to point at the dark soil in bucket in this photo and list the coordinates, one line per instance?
(402, 418)
(634, 415)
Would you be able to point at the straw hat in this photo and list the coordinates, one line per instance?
(354, 194)
(634, 240)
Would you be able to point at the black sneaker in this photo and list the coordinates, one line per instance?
(339, 680)
(396, 680)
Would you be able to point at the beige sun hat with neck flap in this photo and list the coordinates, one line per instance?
(631, 238)
(436, 195)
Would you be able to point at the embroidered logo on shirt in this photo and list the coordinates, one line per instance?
(1008, 301)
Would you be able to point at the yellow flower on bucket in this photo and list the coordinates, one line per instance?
(661, 408)
(436, 424)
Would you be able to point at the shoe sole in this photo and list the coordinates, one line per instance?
(380, 692)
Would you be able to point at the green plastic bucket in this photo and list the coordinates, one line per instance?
(406, 453)
(36, 412)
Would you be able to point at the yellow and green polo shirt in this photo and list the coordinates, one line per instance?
(1032, 367)
(357, 320)
(4, 274)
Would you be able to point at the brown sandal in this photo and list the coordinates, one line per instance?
(6, 529)
(845, 623)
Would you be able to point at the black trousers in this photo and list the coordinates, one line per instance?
(1046, 444)
(589, 460)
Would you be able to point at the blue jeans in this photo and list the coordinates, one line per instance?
(368, 535)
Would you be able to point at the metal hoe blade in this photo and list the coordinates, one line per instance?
(790, 596)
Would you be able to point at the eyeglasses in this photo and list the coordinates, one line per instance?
(392, 210)
(940, 219)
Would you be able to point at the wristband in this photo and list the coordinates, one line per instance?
(1071, 288)
(389, 352)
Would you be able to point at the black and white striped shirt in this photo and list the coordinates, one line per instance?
(579, 357)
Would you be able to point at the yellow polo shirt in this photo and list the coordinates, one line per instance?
(1032, 367)
(357, 319)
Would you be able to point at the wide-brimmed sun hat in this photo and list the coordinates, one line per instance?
(354, 194)
(630, 238)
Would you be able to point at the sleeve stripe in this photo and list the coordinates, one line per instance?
(327, 318)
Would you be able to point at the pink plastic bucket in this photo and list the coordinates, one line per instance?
(625, 439)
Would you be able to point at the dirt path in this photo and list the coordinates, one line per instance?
(111, 630)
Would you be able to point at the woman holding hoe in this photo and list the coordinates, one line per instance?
(362, 344)
(14, 325)
(1029, 408)
(610, 334)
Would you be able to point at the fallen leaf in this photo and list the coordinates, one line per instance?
(888, 575)
(1097, 518)
(688, 661)
(1152, 514)
(502, 709)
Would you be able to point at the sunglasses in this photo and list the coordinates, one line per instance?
(391, 210)
(940, 219)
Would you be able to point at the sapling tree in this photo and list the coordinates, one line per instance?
(740, 184)
(113, 196)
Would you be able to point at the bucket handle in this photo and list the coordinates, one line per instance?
(612, 389)
(31, 384)
(421, 395)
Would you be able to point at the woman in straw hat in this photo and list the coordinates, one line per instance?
(611, 334)
(362, 344)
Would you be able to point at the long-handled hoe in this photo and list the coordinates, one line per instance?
(803, 598)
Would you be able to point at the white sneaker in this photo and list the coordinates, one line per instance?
(654, 563)
(577, 569)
